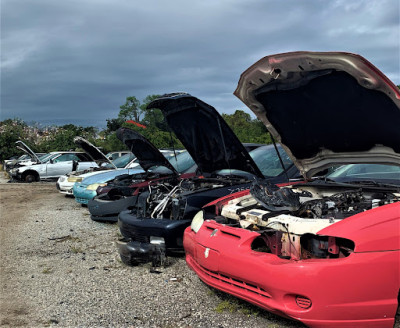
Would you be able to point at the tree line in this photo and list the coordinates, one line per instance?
(156, 130)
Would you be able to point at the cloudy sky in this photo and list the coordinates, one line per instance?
(75, 61)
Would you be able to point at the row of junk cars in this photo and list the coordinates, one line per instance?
(307, 228)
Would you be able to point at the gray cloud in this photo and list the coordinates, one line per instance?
(77, 61)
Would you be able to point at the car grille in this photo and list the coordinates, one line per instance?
(140, 238)
(234, 282)
(303, 302)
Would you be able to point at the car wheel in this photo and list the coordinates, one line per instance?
(30, 178)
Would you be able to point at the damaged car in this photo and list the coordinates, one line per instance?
(121, 193)
(51, 166)
(85, 190)
(326, 252)
(28, 158)
(153, 227)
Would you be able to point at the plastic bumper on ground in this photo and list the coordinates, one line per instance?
(143, 230)
(356, 291)
(135, 252)
(103, 209)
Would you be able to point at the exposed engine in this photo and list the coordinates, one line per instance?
(288, 219)
(169, 199)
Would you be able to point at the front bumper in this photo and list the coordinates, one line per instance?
(65, 188)
(82, 195)
(356, 291)
(139, 230)
(103, 209)
(135, 252)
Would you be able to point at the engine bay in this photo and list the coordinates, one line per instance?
(168, 199)
(288, 219)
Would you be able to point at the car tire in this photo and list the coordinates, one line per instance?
(30, 178)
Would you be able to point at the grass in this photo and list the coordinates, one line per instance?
(226, 306)
(231, 304)
(47, 270)
(76, 250)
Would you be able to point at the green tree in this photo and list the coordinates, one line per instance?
(11, 130)
(113, 124)
(246, 128)
(131, 110)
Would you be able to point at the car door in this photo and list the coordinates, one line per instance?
(60, 165)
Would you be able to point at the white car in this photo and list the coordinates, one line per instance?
(52, 165)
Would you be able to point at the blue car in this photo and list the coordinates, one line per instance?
(86, 189)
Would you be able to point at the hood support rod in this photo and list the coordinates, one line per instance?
(279, 156)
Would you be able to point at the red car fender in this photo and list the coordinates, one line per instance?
(374, 230)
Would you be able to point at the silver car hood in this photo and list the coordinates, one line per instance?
(94, 152)
(325, 108)
(22, 146)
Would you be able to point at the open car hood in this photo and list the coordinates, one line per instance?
(22, 146)
(94, 152)
(325, 108)
(205, 134)
(146, 153)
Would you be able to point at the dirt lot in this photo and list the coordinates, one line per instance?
(59, 268)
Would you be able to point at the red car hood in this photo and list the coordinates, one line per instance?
(325, 108)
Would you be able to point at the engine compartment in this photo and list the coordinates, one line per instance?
(169, 199)
(288, 219)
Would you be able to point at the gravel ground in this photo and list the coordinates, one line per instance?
(61, 269)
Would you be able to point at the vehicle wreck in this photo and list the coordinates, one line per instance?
(325, 252)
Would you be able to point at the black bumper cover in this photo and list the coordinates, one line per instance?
(135, 252)
(137, 232)
(103, 209)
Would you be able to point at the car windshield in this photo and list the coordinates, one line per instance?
(47, 157)
(122, 161)
(358, 173)
(42, 157)
(268, 161)
(182, 163)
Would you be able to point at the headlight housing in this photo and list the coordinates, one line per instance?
(75, 179)
(197, 221)
(94, 186)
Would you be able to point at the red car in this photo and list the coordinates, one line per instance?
(327, 252)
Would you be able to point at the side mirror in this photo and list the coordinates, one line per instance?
(51, 161)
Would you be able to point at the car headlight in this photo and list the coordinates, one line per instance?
(197, 221)
(14, 171)
(75, 179)
(94, 186)
(157, 240)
